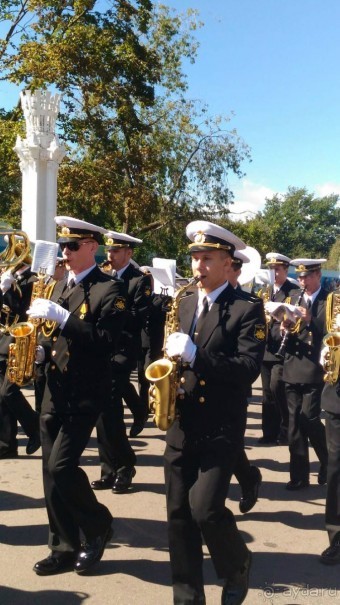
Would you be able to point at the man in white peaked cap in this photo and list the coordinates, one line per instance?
(87, 311)
(221, 345)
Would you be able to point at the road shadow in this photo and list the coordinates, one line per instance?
(14, 596)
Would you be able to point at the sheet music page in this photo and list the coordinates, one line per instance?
(44, 256)
(164, 274)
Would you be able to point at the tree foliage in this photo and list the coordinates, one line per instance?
(141, 156)
(297, 224)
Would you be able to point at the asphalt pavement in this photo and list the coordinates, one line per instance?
(285, 531)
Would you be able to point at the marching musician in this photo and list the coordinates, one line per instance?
(221, 345)
(117, 458)
(88, 308)
(274, 404)
(303, 376)
(330, 402)
(16, 289)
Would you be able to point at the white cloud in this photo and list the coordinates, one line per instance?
(327, 189)
(249, 198)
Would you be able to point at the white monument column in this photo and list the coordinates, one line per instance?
(40, 155)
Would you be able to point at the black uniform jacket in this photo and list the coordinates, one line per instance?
(274, 338)
(228, 359)
(139, 290)
(79, 369)
(302, 360)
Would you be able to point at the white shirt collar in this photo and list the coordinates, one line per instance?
(77, 278)
(312, 297)
(212, 296)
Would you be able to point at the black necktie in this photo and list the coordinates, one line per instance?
(201, 317)
(70, 285)
(309, 303)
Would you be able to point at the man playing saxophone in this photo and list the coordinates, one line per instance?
(330, 402)
(221, 345)
(89, 310)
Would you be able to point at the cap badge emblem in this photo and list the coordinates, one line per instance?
(199, 238)
(65, 230)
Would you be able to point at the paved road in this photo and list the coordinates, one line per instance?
(285, 532)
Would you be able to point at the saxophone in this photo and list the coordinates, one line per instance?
(331, 363)
(21, 354)
(164, 373)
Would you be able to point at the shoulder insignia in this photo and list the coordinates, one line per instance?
(248, 296)
(119, 303)
(260, 332)
(147, 291)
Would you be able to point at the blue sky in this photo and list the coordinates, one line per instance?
(275, 64)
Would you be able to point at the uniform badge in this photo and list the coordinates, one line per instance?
(147, 291)
(83, 310)
(199, 237)
(260, 332)
(119, 303)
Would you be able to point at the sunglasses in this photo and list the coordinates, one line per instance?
(73, 246)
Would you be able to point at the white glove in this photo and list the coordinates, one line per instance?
(39, 354)
(46, 309)
(7, 279)
(181, 345)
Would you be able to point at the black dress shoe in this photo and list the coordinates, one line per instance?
(91, 552)
(235, 590)
(123, 479)
(250, 495)
(293, 486)
(104, 482)
(56, 562)
(322, 475)
(33, 444)
(331, 556)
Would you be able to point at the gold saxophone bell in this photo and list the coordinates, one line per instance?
(164, 373)
(159, 373)
(21, 354)
(331, 362)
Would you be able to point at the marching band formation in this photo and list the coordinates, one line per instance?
(78, 330)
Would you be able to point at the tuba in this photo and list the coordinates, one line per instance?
(331, 362)
(164, 373)
(21, 354)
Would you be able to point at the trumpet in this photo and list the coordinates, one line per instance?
(280, 354)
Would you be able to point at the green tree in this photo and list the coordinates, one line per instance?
(297, 224)
(10, 175)
(142, 157)
(334, 256)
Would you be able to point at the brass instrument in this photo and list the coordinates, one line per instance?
(280, 354)
(21, 354)
(164, 373)
(12, 257)
(331, 362)
(264, 293)
(105, 266)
